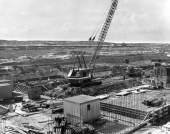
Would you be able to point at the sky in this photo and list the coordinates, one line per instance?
(136, 21)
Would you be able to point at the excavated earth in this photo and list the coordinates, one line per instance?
(64, 91)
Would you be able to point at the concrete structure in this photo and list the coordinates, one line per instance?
(162, 75)
(83, 106)
(6, 90)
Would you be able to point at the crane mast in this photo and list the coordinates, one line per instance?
(103, 33)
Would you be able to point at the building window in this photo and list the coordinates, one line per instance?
(88, 107)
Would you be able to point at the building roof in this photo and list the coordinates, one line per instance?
(81, 99)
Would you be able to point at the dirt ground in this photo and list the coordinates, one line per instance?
(43, 119)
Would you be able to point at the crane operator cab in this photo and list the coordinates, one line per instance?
(81, 77)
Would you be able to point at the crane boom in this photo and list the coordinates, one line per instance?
(83, 76)
(103, 33)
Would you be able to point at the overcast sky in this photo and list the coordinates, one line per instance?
(143, 20)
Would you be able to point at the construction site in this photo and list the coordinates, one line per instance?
(86, 87)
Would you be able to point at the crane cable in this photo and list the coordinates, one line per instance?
(98, 27)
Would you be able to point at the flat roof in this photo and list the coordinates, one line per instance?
(81, 99)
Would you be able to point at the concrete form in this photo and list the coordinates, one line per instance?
(84, 106)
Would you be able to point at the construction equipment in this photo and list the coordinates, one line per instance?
(134, 72)
(153, 102)
(83, 75)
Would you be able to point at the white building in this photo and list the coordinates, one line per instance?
(81, 108)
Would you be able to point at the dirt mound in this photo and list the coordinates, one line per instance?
(67, 91)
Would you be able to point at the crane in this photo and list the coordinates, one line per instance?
(84, 76)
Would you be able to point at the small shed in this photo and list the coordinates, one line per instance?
(81, 108)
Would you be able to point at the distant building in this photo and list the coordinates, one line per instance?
(81, 108)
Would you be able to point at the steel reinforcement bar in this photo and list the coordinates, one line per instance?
(133, 113)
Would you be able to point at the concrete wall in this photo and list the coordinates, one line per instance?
(6, 90)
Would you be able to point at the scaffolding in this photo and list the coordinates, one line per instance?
(127, 113)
